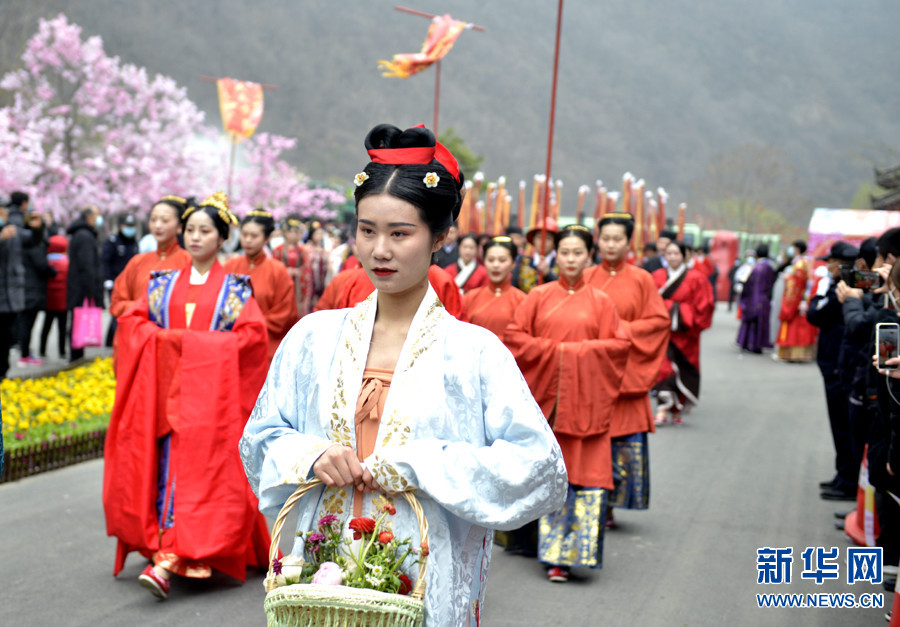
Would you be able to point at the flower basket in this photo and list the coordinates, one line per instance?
(317, 605)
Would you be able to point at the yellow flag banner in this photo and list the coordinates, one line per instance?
(442, 35)
(241, 104)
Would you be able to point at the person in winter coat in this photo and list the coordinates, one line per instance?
(85, 277)
(12, 285)
(37, 272)
(118, 250)
(56, 294)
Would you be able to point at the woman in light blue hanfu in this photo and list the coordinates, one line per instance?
(396, 394)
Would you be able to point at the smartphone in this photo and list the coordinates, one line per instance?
(887, 343)
(863, 279)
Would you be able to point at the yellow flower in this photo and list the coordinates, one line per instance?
(431, 179)
(360, 178)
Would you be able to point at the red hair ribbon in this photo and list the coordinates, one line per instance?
(420, 155)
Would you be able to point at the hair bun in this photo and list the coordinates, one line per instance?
(389, 136)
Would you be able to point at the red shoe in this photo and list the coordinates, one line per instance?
(558, 574)
(610, 520)
(676, 419)
(157, 585)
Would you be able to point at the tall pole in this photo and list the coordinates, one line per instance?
(231, 163)
(437, 95)
(550, 138)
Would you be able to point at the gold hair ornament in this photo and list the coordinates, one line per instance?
(577, 227)
(220, 201)
(259, 213)
(173, 198)
(501, 238)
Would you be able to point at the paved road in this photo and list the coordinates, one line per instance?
(741, 473)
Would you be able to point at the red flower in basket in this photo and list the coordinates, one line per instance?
(425, 550)
(385, 536)
(360, 526)
(405, 584)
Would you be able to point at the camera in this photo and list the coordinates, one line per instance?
(862, 279)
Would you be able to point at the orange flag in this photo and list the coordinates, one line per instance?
(241, 104)
(442, 35)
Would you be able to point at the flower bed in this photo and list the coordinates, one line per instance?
(55, 421)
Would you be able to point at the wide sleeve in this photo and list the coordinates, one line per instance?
(537, 357)
(794, 288)
(649, 339)
(695, 313)
(121, 299)
(284, 438)
(282, 312)
(518, 474)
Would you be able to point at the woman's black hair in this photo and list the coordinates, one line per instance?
(470, 236)
(262, 218)
(439, 204)
(626, 222)
(800, 246)
(177, 203)
(502, 241)
(221, 225)
(681, 246)
(575, 230)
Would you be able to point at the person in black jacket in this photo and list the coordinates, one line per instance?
(118, 250)
(825, 312)
(85, 278)
(37, 271)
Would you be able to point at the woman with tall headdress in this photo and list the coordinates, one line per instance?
(395, 394)
(567, 340)
(192, 358)
(689, 299)
(272, 286)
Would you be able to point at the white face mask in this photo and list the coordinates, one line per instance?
(99, 222)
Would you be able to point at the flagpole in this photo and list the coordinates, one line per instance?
(437, 95)
(550, 137)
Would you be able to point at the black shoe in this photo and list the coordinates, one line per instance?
(839, 525)
(833, 494)
(889, 584)
(826, 484)
(841, 515)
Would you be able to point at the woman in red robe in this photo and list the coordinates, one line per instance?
(493, 306)
(796, 336)
(295, 258)
(689, 299)
(165, 224)
(317, 257)
(467, 272)
(192, 360)
(272, 285)
(568, 342)
(644, 314)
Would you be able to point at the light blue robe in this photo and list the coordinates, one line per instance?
(460, 427)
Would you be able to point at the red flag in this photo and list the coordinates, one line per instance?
(442, 35)
(241, 104)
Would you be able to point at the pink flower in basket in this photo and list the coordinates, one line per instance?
(329, 574)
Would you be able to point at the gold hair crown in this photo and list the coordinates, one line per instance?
(173, 198)
(294, 223)
(259, 213)
(501, 238)
(220, 201)
(619, 215)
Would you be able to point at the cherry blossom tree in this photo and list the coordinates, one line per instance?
(84, 127)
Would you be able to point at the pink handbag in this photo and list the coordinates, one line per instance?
(87, 325)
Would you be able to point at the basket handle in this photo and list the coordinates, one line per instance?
(418, 591)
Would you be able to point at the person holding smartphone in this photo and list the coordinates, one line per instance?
(825, 312)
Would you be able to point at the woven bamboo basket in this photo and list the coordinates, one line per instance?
(316, 605)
